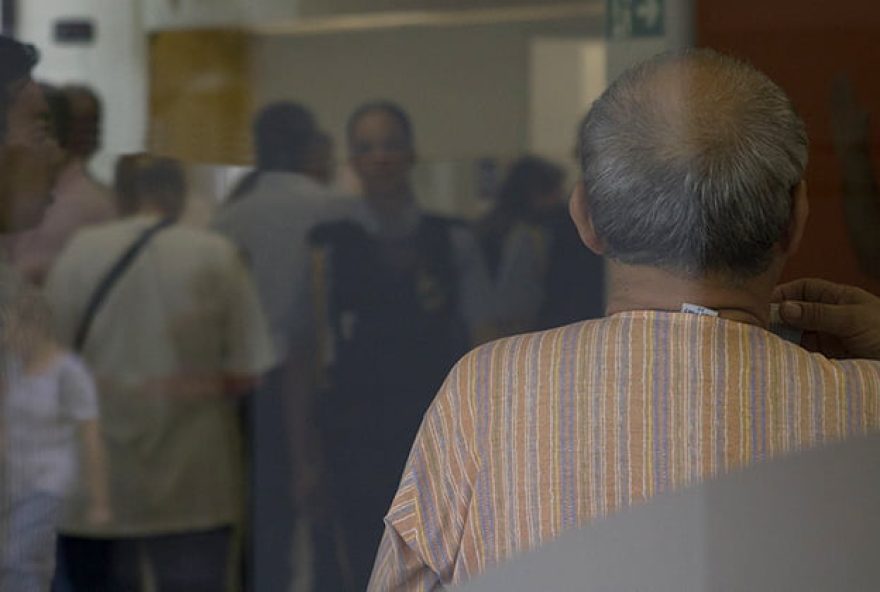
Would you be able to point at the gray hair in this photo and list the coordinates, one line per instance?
(689, 163)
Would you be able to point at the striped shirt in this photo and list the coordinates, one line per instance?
(536, 434)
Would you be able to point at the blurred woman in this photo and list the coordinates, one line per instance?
(543, 276)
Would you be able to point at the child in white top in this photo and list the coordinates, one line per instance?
(50, 416)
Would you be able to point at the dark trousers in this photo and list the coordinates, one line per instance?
(185, 562)
(271, 508)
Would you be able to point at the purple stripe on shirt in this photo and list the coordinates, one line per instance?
(623, 402)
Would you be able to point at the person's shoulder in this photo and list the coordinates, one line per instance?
(865, 368)
(200, 240)
(817, 369)
(100, 234)
(282, 196)
(539, 347)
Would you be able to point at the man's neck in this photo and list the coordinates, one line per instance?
(632, 287)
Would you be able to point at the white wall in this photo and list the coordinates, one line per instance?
(466, 89)
(115, 65)
(183, 14)
(566, 76)
(679, 34)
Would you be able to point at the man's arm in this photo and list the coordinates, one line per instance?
(79, 398)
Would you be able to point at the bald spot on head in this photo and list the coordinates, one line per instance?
(689, 160)
(705, 110)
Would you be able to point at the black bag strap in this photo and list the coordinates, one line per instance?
(110, 279)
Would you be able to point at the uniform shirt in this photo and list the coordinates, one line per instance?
(185, 307)
(534, 435)
(474, 287)
(270, 225)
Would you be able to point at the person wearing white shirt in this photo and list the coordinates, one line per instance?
(268, 217)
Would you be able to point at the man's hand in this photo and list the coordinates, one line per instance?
(839, 321)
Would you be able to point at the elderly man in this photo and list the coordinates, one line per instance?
(693, 190)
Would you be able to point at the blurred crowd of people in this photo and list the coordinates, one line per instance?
(233, 404)
(180, 398)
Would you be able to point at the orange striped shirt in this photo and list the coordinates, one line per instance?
(537, 434)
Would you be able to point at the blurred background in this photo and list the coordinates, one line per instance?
(485, 83)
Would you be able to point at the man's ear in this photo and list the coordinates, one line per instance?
(800, 210)
(579, 210)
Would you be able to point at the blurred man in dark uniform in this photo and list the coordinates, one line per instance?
(403, 295)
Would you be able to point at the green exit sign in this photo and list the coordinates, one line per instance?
(636, 18)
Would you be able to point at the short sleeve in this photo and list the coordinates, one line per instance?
(79, 398)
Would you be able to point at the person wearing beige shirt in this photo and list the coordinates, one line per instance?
(178, 335)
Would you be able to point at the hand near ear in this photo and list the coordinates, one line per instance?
(839, 321)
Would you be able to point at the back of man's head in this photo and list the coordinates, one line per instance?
(156, 182)
(83, 129)
(689, 164)
(17, 61)
(284, 133)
